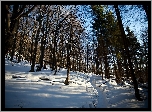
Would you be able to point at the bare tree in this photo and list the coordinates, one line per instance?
(39, 19)
(12, 16)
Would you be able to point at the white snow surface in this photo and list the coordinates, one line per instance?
(24, 89)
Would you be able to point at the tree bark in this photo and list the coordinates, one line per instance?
(137, 95)
(42, 53)
(126, 64)
(54, 53)
(35, 49)
(20, 49)
(31, 50)
(68, 64)
(43, 42)
(14, 46)
(12, 23)
(87, 56)
(119, 68)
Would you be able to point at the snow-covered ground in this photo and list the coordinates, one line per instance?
(42, 89)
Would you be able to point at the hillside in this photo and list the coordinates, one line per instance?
(42, 89)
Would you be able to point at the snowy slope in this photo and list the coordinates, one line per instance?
(42, 89)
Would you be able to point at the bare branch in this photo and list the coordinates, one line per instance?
(21, 11)
(25, 14)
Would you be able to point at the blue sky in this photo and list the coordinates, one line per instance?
(132, 18)
(136, 21)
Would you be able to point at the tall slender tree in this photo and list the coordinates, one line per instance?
(39, 19)
(137, 95)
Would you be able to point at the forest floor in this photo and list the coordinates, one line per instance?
(42, 89)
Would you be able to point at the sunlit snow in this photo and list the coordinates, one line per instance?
(25, 89)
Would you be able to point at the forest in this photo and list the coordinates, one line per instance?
(61, 37)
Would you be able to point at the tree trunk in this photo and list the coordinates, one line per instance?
(21, 43)
(35, 49)
(54, 56)
(31, 51)
(80, 65)
(34, 57)
(51, 56)
(137, 95)
(119, 68)
(43, 42)
(20, 49)
(101, 70)
(68, 65)
(87, 56)
(42, 55)
(13, 48)
(12, 23)
(54, 64)
(77, 62)
(97, 66)
(106, 67)
(126, 65)
(68, 62)
(106, 63)
(11, 27)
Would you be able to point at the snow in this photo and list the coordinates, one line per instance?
(42, 89)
